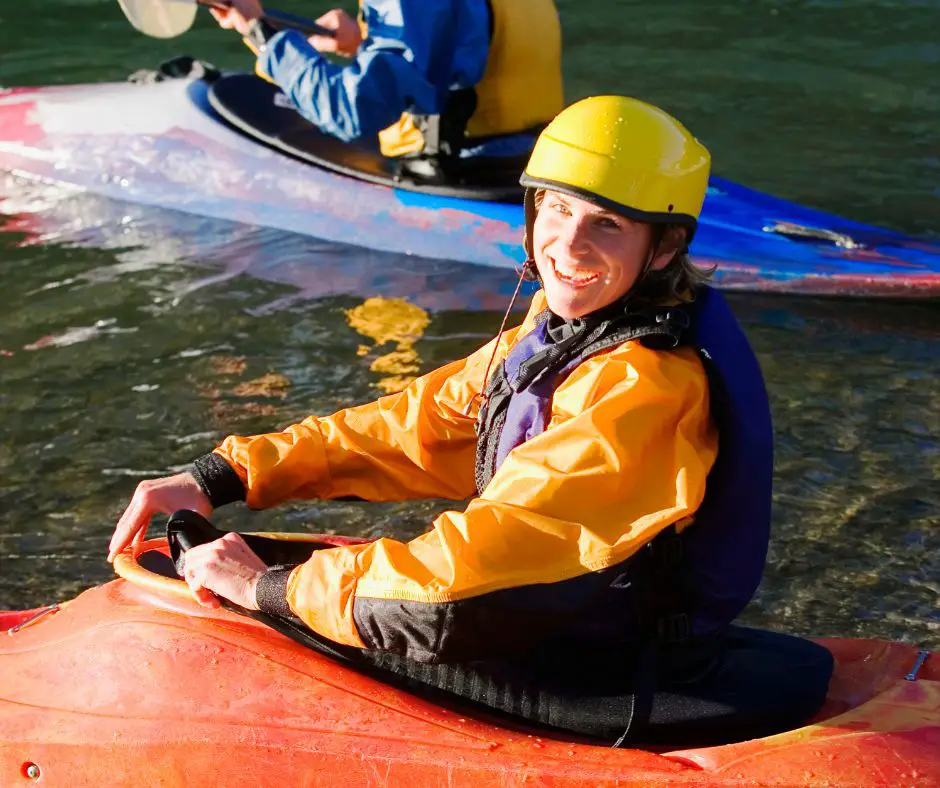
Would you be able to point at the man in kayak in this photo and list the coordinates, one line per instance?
(620, 455)
(431, 77)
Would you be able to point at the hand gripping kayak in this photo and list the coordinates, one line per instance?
(187, 529)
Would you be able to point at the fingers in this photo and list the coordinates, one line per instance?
(346, 36)
(329, 20)
(231, 19)
(323, 43)
(227, 568)
(156, 496)
(239, 15)
(237, 550)
(196, 576)
(140, 535)
(203, 595)
(223, 17)
(133, 523)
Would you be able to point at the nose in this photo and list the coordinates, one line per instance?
(573, 235)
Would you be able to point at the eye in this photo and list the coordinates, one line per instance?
(560, 207)
(607, 223)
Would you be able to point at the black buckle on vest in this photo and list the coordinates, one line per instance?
(674, 317)
(674, 629)
(669, 330)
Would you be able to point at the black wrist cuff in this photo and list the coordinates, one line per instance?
(217, 479)
(271, 591)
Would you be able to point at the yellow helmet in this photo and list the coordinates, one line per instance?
(624, 155)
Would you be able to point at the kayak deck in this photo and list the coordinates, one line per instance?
(127, 684)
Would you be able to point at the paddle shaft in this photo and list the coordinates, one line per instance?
(279, 19)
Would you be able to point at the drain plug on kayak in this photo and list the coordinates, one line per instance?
(30, 771)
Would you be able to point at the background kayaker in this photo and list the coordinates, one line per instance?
(608, 534)
(474, 77)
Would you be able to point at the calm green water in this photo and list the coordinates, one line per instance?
(132, 340)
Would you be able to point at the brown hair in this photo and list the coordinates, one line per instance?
(677, 280)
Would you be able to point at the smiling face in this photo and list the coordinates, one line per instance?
(587, 256)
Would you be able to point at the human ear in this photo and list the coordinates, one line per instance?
(672, 242)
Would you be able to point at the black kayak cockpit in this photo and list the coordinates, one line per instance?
(745, 684)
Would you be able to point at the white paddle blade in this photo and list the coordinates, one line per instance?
(158, 18)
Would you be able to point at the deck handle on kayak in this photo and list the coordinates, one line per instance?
(35, 617)
(793, 230)
(127, 563)
(127, 566)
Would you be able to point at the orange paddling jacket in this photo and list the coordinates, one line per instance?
(623, 456)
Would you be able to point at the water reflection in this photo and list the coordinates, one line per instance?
(390, 320)
(144, 237)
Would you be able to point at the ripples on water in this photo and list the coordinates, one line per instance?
(132, 340)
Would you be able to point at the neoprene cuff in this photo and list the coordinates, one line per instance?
(271, 591)
(217, 479)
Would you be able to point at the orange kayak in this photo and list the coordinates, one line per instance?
(132, 683)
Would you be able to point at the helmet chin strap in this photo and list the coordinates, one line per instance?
(526, 273)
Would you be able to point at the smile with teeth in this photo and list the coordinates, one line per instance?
(572, 274)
